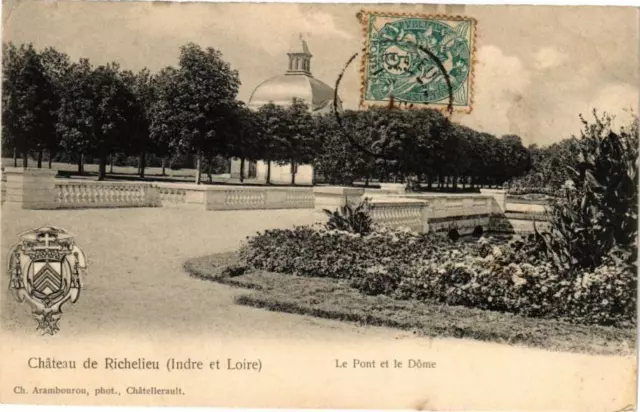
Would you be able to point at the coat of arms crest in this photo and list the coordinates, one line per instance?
(46, 268)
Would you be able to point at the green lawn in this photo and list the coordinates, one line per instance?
(335, 299)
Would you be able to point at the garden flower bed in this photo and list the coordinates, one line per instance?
(492, 273)
(332, 298)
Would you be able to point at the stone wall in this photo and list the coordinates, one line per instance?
(28, 188)
(437, 212)
(422, 212)
(39, 189)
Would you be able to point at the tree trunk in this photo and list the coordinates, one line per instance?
(25, 159)
(80, 165)
(209, 167)
(51, 156)
(102, 168)
(142, 163)
(15, 157)
(293, 172)
(164, 165)
(268, 172)
(242, 170)
(40, 158)
(111, 164)
(198, 168)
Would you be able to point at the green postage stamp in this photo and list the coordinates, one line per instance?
(418, 59)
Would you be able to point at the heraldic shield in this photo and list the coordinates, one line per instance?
(46, 269)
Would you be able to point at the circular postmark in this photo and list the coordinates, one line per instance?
(396, 63)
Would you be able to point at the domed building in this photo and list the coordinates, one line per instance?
(296, 82)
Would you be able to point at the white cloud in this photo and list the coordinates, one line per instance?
(501, 82)
(265, 27)
(273, 34)
(618, 99)
(548, 58)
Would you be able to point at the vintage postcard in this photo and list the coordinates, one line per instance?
(333, 206)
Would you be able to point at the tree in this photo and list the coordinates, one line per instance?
(56, 65)
(28, 101)
(139, 142)
(201, 100)
(76, 111)
(297, 143)
(517, 157)
(271, 134)
(97, 111)
(243, 136)
(164, 125)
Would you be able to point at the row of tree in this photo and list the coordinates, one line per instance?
(417, 147)
(75, 109)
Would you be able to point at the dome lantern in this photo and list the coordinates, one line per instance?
(299, 58)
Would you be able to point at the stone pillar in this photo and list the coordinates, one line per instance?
(500, 199)
(424, 210)
(332, 198)
(234, 171)
(29, 188)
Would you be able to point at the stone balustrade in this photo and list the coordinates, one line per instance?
(258, 197)
(526, 207)
(38, 189)
(401, 213)
(86, 194)
(421, 212)
(440, 212)
(463, 212)
(176, 195)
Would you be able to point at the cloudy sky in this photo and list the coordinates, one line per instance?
(537, 68)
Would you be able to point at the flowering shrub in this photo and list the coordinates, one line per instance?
(511, 276)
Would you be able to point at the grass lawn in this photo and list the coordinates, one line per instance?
(335, 299)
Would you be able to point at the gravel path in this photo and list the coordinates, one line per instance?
(136, 289)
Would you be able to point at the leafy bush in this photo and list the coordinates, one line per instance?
(511, 276)
(598, 209)
(234, 270)
(377, 280)
(354, 219)
(308, 251)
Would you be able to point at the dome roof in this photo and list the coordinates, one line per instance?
(281, 90)
(297, 82)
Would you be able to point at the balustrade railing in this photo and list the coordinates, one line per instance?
(171, 195)
(83, 194)
(300, 198)
(401, 214)
(102, 194)
(245, 199)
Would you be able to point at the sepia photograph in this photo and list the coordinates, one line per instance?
(313, 205)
